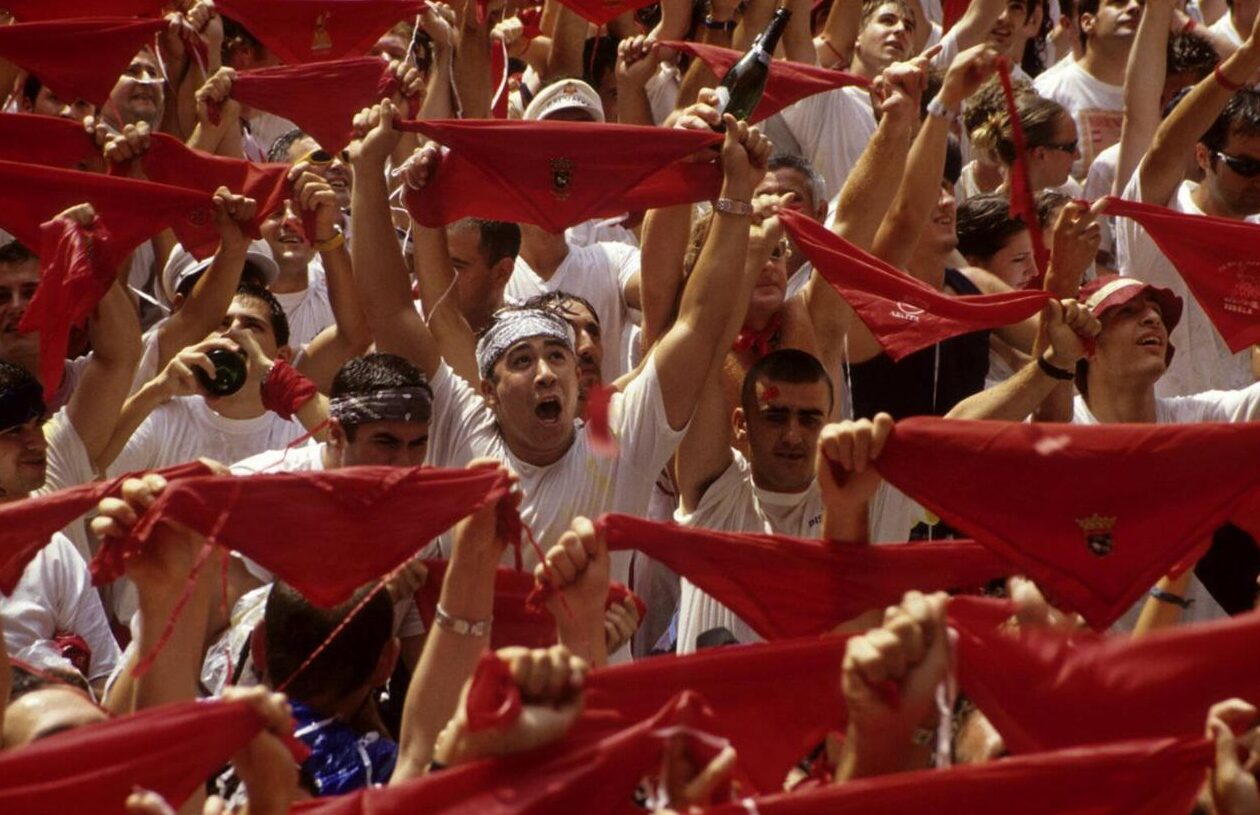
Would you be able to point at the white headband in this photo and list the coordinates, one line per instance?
(513, 325)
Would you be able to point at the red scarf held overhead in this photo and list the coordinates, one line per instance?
(904, 313)
(576, 171)
(25, 526)
(1095, 514)
(301, 31)
(1046, 690)
(792, 587)
(1217, 259)
(342, 528)
(78, 59)
(47, 140)
(170, 750)
(788, 83)
(1130, 778)
(322, 98)
(602, 12)
(34, 11)
(1023, 204)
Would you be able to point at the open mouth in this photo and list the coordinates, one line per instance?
(290, 238)
(1151, 342)
(548, 410)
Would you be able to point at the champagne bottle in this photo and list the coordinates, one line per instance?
(230, 372)
(740, 90)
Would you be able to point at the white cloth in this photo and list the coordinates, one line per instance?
(1225, 28)
(599, 273)
(1202, 361)
(309, 311)
(604, 230)
(662, 91)
(1099, 183)
(1097, 107)
(55, 594)
(832, 129)
(68, 466)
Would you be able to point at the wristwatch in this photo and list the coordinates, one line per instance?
(732, 207)
(458, 625)
(718, 25)
(337, 241)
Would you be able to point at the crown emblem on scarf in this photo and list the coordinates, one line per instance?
(561, 176)
(1097, 531)
(321, 40)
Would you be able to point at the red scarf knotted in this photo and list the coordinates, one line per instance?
(300, 31)
(1216, 258)
(1096, 514)
(1023, 204)
(904, 313)
(788, 83)
(762, 342)
(576, 171)
(47, 140)
(78, 59)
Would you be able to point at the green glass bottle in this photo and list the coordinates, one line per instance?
(230, 372)
(740, 90)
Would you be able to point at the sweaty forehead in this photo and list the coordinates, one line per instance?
(43, 713)
(26, 271)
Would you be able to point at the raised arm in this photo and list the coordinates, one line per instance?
(976, 23)
(115, 334)
(1143, 84)
(576, 569)
(846, 477)
(438, 20)
(379, 268)
(834, 46)
(637, 62)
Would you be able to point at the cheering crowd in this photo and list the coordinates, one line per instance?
(413, 407)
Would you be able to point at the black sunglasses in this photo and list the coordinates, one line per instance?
(1244, 166)
(1067, 147)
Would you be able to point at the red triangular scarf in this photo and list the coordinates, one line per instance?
(322, 98)
(602, 12)
(565, 777)
(789, 82)
(301, 31)
(1023, 204)
(792, 587)
(47, 140)
(498, 76)
(1045, 690)
(170, 750)
(25, 526)
(951, 12)
(576, 170)
(1072, 505)
(904, 313)
(1131, 778)
(78, 59)
(342, 528)
(33, 11)
(168, 161)
(1215, 256)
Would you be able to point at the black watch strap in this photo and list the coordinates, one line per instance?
(1054, 371)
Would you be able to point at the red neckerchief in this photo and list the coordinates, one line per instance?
(761, 342)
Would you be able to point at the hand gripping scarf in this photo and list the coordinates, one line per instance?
(1073, 506)
(789, 82)
(904, 313)
(577, 171)
(565, 777)
(1023, 205)
(1046, 690)
(300, 31)
(341, 529)
(47, 140)
(25, 526)
(35, 11)
(170, 750)
(78, 59)
(1217, 259)
(792, 587)
(322, 98)
(1131, 778)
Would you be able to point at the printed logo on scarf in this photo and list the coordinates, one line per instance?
(1244, 297)
(907, 311)
(1097, 531)
(561, 176)
(321, 40)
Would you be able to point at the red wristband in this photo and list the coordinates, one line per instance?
(284, 390)
(1190, 25)
(1225, 82)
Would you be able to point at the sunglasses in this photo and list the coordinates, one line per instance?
(1244, 166)
(1067, 147)
(782, 251)
(323, 157)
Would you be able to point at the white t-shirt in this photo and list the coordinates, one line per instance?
(309, 311)
(1225, 28)
(662, 91)
(599, 273)
(186, 428)
(1097, 107)
(581, 482)
(1203, 361)
(55, 594)
(832, 129)
(68, 466)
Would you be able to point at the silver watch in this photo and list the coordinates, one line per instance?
(457, 625)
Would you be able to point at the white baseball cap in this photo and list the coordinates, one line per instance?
(567, 94)
(180, 266)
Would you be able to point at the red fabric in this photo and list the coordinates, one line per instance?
(168, 161)
(759, 341)
(300, 31)
(47, 140)
(601, 12)
(285, 390)
(78, 59)
(33, 11)
(1046, 690)
(566, 777)
(576, 171)
(904, 314)
(498, 77)
(598, 429)
(1023, 204)
(494, 700)
(1133, 778)
(170, 749)
(792, 587)
(26, 525)
(1216, 258)
(1047, 497)
(326, 518)
(952, 11)
(321, 98)
(789, 82)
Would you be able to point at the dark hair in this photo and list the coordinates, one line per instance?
(375, 372)
(279, 322)
(987, 104)
(953, 160)
(1084, 7)
(985, 225)
(279, 152)
(1048, 203)
(1033, 60)
(1241, 116)
(1038, 115)
(1191, 54)
(817, 184)
(28, 679)
(788, 365)
(554, 301)
(869, 7)
(599, 58)
(294, 628)
(30, 88)
(15, 376)
(497, 239)
(16, 252)
(237, 36)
